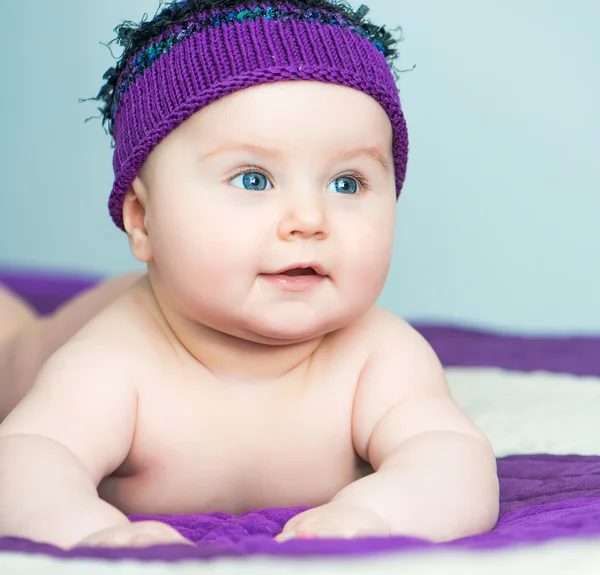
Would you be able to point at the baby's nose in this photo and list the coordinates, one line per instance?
(304, 216)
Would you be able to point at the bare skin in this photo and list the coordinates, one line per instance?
(178, 439)
(15, 314)
(27, 340)
(218, 381)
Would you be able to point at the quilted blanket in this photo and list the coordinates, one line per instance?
(543, 497)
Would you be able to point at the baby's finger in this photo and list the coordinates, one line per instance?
(296, 533)
(288, 530)
(285, 536)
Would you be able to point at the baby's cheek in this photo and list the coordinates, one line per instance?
(366, 264)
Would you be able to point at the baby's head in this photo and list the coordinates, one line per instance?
(251, 139)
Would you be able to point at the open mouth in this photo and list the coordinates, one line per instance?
(300, 272)
(298, 277)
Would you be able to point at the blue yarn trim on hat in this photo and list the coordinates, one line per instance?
(157, 49)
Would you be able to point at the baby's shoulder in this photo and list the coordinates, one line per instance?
(377, 337)
(392, 345)
(380, 327)
(126, 332)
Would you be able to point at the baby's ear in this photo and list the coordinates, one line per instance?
(136, 222)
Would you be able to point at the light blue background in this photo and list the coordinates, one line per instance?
(498, 221)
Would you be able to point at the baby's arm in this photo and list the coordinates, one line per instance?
(74, 427)
(435, 472)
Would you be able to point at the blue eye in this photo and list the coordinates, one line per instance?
(344, 185)
(253, 181)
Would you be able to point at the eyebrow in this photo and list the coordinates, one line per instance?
(369, 151)
(237, 147)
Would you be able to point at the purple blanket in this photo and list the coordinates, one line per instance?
(543, 497)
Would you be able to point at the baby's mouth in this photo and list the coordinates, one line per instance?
(309, 268)
(298, 277)
(300, 272)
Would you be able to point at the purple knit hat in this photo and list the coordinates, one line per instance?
(213, 54)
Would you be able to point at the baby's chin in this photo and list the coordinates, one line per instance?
(288, 330)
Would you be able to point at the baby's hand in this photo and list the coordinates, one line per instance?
(142, 534)
(334, 520)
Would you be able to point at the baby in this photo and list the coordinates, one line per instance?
(260, 150)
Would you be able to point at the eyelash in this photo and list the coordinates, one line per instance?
(364, 184)
(250, 170)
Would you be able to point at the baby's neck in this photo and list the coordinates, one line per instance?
(229, 357)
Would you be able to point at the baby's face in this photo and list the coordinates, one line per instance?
(272, 177)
